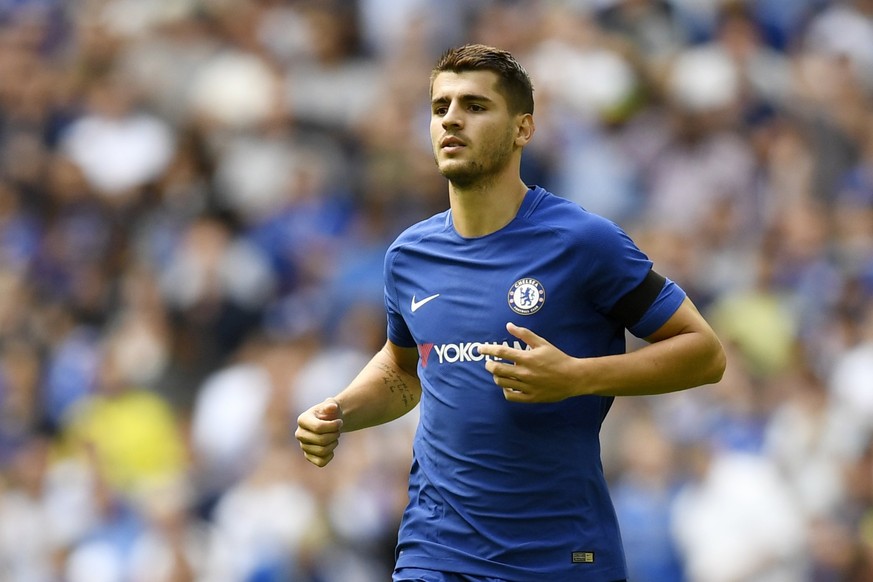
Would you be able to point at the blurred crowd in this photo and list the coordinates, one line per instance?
(195, 199)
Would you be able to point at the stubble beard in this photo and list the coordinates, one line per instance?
(466, 174)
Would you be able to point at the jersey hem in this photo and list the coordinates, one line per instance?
(407, 560)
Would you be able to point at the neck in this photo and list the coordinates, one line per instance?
(480, 209)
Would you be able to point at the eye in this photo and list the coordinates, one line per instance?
(441, 110)
(476, 108)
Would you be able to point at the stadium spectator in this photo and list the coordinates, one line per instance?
(241, 181)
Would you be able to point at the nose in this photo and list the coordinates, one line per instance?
(452, 118)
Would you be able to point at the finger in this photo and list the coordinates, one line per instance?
(500, 352)
(309, 427)
(515, 395)
(317, 460)
(316, 438)
(318, 450)
(504, 378)
(313, 451)
(511, 384)
(329, 410)
(525, 335)
(317, 420)
(503, 370)
(494, 351)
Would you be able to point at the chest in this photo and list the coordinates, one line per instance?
(463, 296)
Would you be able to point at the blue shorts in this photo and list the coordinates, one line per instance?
(422, 575)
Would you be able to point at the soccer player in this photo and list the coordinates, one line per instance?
(506, 322)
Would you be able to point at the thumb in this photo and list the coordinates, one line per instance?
(329, 410)
(525, 335)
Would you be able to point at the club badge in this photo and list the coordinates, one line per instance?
(526, 296)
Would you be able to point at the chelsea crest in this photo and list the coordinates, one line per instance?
(526, 296)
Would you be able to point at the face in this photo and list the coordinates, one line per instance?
(474, 135)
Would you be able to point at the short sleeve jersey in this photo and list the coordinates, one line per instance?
(513, 491)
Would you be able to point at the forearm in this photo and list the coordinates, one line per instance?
(382, 392)
(676, 363)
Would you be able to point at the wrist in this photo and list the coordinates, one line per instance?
(583, 382)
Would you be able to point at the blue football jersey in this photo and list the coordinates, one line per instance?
(511, 490)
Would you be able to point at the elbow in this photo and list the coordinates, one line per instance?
(717, 363)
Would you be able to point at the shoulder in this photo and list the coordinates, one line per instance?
(419, 231)
(569, 220)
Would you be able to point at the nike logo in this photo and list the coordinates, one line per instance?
(417, 304)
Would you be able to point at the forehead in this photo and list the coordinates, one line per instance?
(449, 85)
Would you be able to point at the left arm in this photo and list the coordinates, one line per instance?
(682, 353)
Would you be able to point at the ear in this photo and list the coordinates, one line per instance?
(524, 129)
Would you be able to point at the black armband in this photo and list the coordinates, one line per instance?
(630, 309)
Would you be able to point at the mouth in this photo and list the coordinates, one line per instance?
(451, 144)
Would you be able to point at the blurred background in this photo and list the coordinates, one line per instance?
(195, 199)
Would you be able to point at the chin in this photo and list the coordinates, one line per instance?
(458, 172)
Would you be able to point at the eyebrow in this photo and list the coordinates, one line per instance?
(464, 98)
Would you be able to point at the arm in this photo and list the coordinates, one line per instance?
(682, 353)
(386, 389)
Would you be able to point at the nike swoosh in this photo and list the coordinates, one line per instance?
(417, 304)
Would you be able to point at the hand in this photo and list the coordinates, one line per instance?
(318, 431)
(540, 374)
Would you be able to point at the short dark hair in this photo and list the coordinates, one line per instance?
(514, 82)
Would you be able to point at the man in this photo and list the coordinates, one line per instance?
(506, 320)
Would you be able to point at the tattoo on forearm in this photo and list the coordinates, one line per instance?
(397, 385)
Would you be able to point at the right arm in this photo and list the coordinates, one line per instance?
(386, 389)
